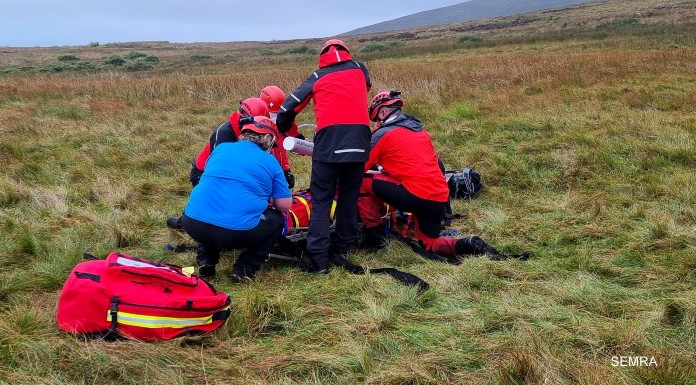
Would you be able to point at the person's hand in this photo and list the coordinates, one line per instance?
(290, 178)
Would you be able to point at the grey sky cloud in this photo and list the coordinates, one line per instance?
(78, 22)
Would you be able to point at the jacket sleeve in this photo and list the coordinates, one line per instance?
(375, 154)
(203, 157)
(368, 81)
(294, 130)
(295, 103)
(223, 134)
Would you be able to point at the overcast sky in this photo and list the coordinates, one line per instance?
(28, 23)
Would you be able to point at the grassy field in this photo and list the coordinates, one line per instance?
(582, 123)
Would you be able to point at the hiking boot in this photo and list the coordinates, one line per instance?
(241, 279)
(524, 256)
(174, 222)
(206, 271)
(308, 266)
(476, 245)
(242, 275)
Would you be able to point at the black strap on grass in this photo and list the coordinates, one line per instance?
(405, 278)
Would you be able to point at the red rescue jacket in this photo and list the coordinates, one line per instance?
(406, 153)
(339, 89)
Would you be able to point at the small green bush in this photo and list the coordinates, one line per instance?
(138, 65)
(115, 61)
(373, 47)
(379, 47)
(469, 39)
(133, 61)
(303, 49)
(85, 65)
(54, 67)
(299, 50)
(68, 57)
(134, 55)
(13, 68)
(94, 44)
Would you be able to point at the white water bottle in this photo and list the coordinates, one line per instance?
(298, 146)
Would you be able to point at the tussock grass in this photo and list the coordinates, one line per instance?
(587, 155)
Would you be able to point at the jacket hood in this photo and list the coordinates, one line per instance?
(402, 120)
(405, 121)
(332, 56)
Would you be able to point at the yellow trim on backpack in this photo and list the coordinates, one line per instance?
(153, 322)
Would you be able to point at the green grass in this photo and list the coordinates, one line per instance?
(587, 157)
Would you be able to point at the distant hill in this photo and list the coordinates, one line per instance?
(463, 12)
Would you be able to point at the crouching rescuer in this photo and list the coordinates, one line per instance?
(411, 180)
(229, 207)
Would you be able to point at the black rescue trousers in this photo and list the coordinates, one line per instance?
(326, 179)
(429, 214)
(258, 241)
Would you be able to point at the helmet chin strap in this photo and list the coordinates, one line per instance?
(389, 115)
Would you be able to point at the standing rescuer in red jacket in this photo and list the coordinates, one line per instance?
(341, 146)
(411, 180)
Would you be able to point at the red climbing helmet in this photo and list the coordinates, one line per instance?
(273, 96)
(253, 107)
(383, 99)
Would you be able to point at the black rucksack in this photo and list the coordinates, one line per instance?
(463, 184)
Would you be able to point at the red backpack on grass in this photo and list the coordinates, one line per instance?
(136, 298)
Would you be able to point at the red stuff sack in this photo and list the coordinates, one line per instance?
(136, 298)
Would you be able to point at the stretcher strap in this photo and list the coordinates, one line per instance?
(305, 203)
(333, 210)
(295, 220)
